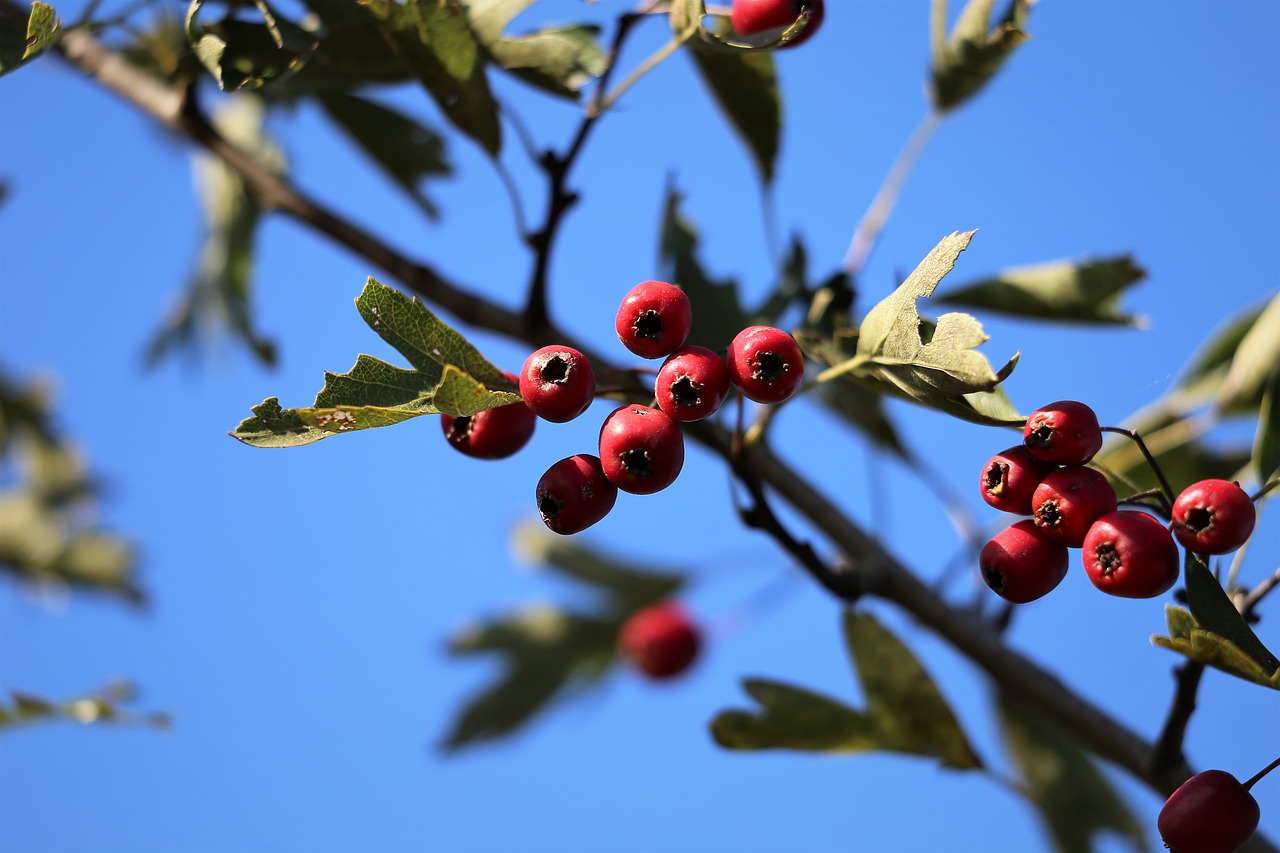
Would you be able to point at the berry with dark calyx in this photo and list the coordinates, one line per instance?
(1213, 517)
(1021, 564)
(660, 641)
(574, 494)
(1211, 812)
(765, 364)
(769, 18)
(557, 383)
(692, 384)
(1068, 501)
(641, 449)
(493, 433)
(1065, 432)
(1130, 554)
(654, 319)
(1010, 478)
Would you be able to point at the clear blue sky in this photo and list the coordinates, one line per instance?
(302, 598)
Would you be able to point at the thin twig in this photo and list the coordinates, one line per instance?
(1168, 751)
(1133, 435)
(1259, 592)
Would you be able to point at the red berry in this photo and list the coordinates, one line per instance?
(661, 641)
(557, 383)
(641, 449)
(493, 433)
(765, 364)
(758, 16)
(1065, 432)
(1213, 517)
(654, 319)
(1068, 501)
(1021, 564)
(1010, 477)
(574, 494)
(692, 384)
(1130, 554)
(1209, 813)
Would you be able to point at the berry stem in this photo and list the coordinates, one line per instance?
(1263, 491)
(1166, 492)
(1263, 772)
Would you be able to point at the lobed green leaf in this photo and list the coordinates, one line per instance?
(1062, 291)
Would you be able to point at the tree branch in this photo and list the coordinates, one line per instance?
(877, 571)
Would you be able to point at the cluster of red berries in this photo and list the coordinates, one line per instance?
(1126, 552)
(641, 448)
(769, 18)
(1212, 812)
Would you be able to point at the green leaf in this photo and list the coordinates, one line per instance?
(559, 60)
(462, 395)
(1266, 442)
(1255, 360)
(435, 41)
(902, 698)
(967, 61)
(630, 585)
(745, 85)
(1214, 612)
(407, 151)
(25, 36)
(103, 706)
(219, 295)
(490, 17)
(423, 338)
(1204, 375)
(1075, 800)
(717, 313)
(1062, 291)
(247, 55)
(905, 711)
(1188, 639)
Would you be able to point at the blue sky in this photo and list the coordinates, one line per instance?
(301, 598)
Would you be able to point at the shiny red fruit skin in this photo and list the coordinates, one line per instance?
(654, 319)
(1065, 432)
(574, 494)
(660, 641)
(756, 16)
(1009, 479)
(1213, 517)
(641, 449)
(1068, 501)
(557, 383)
(1209, 813)
(1130, 554)
(692, 384)
(1021, 564)
(765, 364)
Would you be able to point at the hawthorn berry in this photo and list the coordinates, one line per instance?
(1130, 554)
(641, 449)
(557, 383)
(750, 17)
(654, 319)
(1021, 564)
(1065, 432)
(765, 364)
(1213, 517)
(692, 384)
(1010, 478)
(1069, 500)
(574, 494)
(493, 433)
(1212, 812)
(661, 640)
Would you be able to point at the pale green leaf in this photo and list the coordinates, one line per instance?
(559, 60)
(1266, 441)
(1189, 640)
(967, 61)
(1061, 291)
(1254, 361)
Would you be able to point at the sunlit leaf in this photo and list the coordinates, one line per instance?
(965, 62)
(1075, 801)
(246, 55)
(745, 85)
(559, 60)
(435, 41)
(1266, 442)
(1255, 360)
(1061, 291)
(1204, 375)
(406, 150)
(717, 313)
(25, 35)
(490, 17)
(1216, 613)
(1188, 639)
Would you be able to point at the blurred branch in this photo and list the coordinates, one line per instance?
(1169, 743)
(877, 571)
